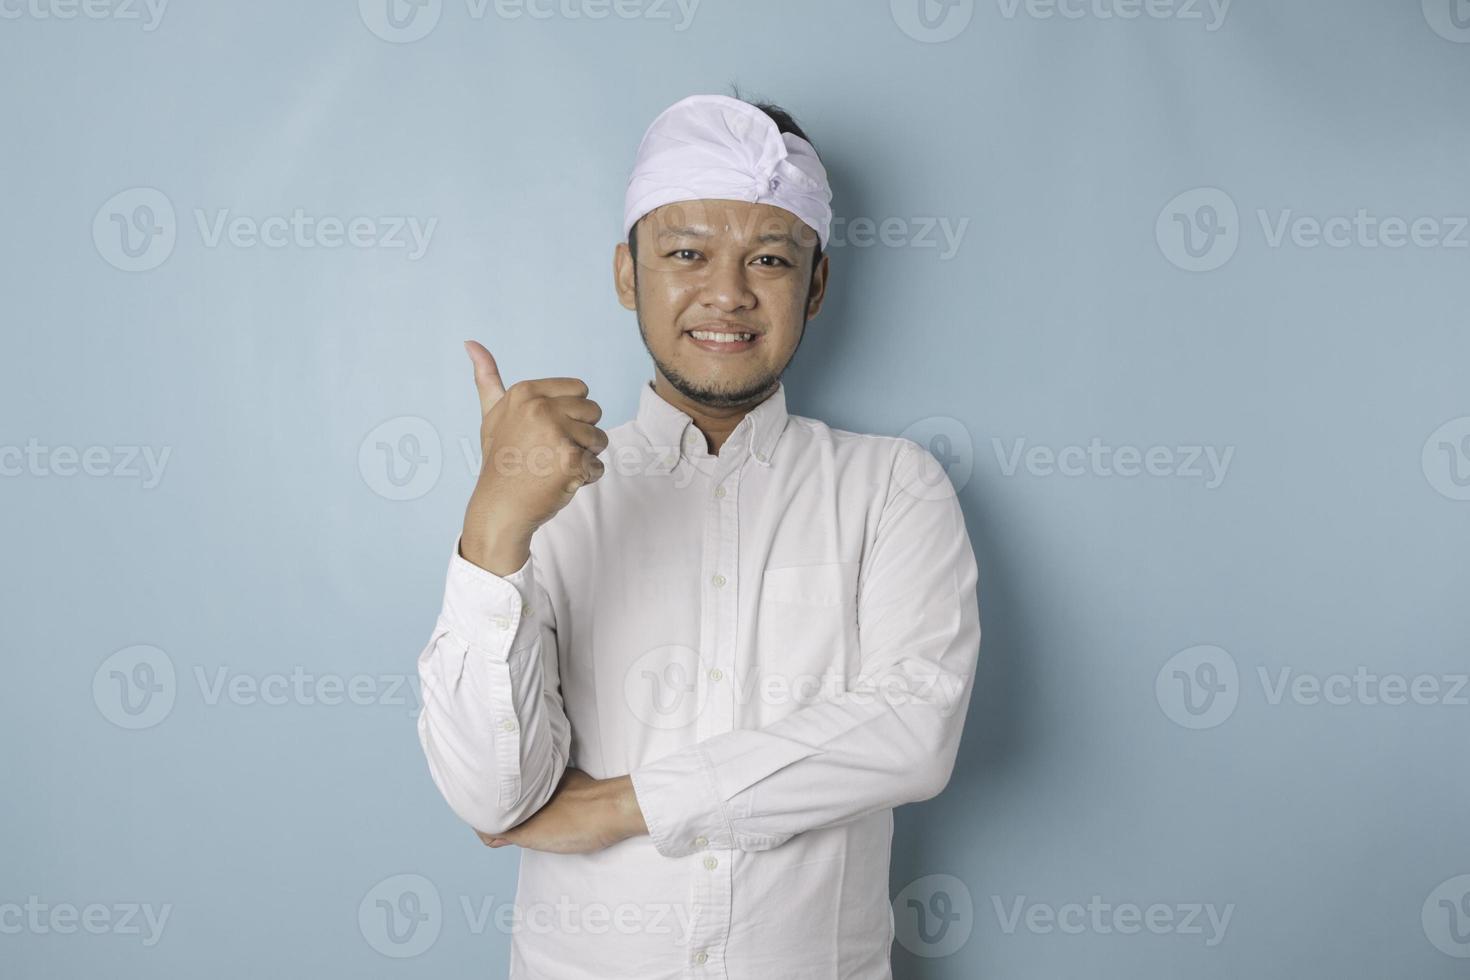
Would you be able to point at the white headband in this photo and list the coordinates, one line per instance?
(713, 146)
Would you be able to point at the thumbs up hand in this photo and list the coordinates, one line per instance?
(539, 443)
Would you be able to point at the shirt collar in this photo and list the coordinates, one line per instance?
(665, 426)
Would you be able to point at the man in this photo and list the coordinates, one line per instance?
(691, 664)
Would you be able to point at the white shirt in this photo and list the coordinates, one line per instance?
(776, 642)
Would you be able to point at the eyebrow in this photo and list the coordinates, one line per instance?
(768, 238)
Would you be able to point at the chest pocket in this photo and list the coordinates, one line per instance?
(806, 634)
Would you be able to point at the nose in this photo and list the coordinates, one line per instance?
(727, 286)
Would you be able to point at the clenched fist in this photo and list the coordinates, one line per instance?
(539, 443)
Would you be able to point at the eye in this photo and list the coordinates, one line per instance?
(776, 258)
(684, 253)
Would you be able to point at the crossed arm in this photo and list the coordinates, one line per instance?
(497, 738)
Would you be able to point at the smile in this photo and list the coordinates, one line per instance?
(720, 336)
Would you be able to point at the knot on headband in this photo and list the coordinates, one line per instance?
(714, 146)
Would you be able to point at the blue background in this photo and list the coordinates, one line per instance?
(1335, 540)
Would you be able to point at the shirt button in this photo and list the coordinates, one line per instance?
(501, 622)
(719, 492)
(701, 956)
(760, 457)
(711, 863)
(509, 724)
(525, 609)
(718, 579)
(716, 673)
(701, 841)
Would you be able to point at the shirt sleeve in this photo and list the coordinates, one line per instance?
(492, 724)
(890, 738)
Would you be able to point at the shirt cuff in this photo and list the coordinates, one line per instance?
(681, 803)
(484, 608)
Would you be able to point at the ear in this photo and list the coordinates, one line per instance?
(818, 290)
(625, 276)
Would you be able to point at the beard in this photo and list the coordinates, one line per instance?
(702, 393)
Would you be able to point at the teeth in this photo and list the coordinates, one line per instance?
(720, 336)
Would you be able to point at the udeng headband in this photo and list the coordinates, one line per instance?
(713, 146)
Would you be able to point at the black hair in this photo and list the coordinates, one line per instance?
(785, 124)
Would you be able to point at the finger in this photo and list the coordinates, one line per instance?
(589, 437)
(555, 387)
(487, 375)
(576, 407)
(578, 467)
(594, 468)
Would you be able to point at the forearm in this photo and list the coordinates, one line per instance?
(890, 737)
(884, 742)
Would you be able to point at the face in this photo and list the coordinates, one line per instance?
(723, 290)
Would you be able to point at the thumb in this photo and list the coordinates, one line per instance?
(487, 375)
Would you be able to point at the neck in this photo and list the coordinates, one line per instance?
(715, 423)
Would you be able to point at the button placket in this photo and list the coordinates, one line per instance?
(711, 884)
